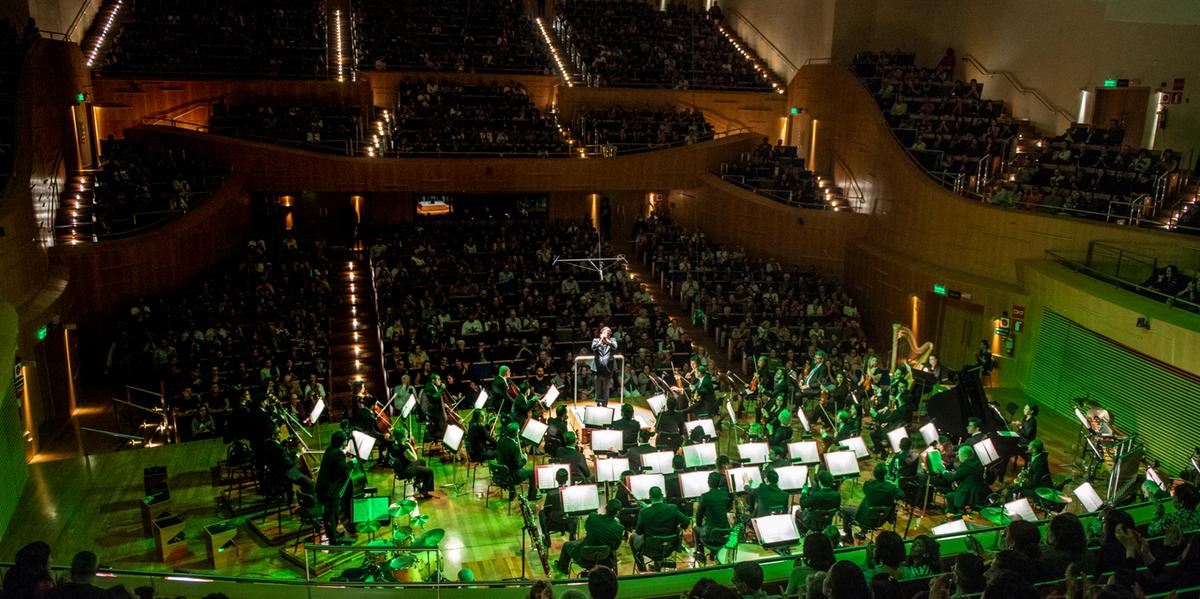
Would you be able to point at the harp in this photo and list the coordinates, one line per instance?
(906, 349)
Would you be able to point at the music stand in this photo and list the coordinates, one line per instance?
(359, 445)
(534, 431)
(657, 403)
(607, 441)
(842, 464)
(658, 462)
(640, 484)
(736, 476)
(1087, 495)
(481, 399)
(1152, 475)
(951, 530)
(895, 436)
(858, 446)
(547, 477)
(597, 416)
(1083, 420)
(581, 499)
(754, 453)
(694, 484)
(1020, 510)
(930, 433)
(706, 424)
(699, 455)
(803, 420)
(550, 396)
(986, 450)
(776, 531)
(804, 452)
(409, 405)
(370, 509)
(792, 478)
(729, 410)
(453, 437)
(610, 470)
(318, 409)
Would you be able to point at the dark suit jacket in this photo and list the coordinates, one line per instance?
(713, 508)
(1038, 472)
(661, 519)
(769, 498)
(508, 452)
(971, 489)
(579, 466)
(334, 472)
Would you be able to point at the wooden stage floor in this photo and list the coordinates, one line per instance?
(93, 503)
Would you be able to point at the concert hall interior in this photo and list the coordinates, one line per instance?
(599, 298)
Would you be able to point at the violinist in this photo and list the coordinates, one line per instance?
(569, 454)
(706, 391)
(823, 498)
(280, 464)
(817, 376)
(480, 445)
(635, 453)
(839, 391)
(712, 512)
(671, 421)
(522, 404)
(502, 392)
(762, 383)
(407, 466)
(898, 412)
(843, 428)
(628, 425)
(780, 430)
(872, 376)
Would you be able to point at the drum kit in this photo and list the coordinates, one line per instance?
(397, 560)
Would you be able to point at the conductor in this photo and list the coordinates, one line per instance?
(604, 350)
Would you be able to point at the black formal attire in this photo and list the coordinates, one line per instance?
(552, 518)
(671, 432)
(580, 471)
(1028, 430)
(282, 471)
(780, 436)
(332, 490)
(500, 398)
(971, 489)
(769, 499)
(629, 431)
(604, 356)
(508, 453)
(712, 513)
(1037, 474)
(480, 446)
(430, 400)
(876, 493)
(635, 455)
(817, 375)
(889, 420)
(599, 530)
(656, 520)
(817, 499)
(415, 470)
(706, 389)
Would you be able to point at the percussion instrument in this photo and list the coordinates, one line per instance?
(431, 538)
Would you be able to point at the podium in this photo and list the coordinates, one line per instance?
(219, 545)
(153, 507)
(170, 543)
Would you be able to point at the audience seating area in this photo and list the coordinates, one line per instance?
(335, 129)
(276, 38)
(754, 307)
(255, 327)
(474, 35)
(455, 304)
(138, 186)
(775, 172)
(616, 43)
(12, 52)
(435, 116)
(632, 130)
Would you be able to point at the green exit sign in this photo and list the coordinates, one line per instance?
(939, 289)
(42, 332)
(1110, 83)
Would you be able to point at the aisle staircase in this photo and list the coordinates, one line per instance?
(75, 219)
(354, 337)
(105, 23)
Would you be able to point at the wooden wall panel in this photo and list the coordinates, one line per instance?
(543, 89)
(760, 112)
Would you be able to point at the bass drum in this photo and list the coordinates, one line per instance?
(404, 569)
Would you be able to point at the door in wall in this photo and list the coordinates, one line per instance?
(1127, 106)
(958, 327)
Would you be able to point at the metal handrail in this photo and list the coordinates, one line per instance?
(740, 16)
(83, 7)
(862, 197)
(1062, 112)
(1170, 300)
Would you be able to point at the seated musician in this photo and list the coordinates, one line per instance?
(823, 498)
(522, 405)
(556, 426)
(843, 428)
(781, 430)
(724, 464)
(1036, 473)
(674, 488)
(600, 529)
(779, 458)
(839, 391)
(569, 454)
(552, 518)
(408, 466)
(889, 419)
(877, 493)
(768, 498)
(1027, 427)
(706, 390)
(630, 505)
(906, 466)
(628, 425)
(281, 467)
(509, 454)
(480, 445)
(670, 426)
(970, 488)
(974, 431)
(713, 511)
(635, 453)
(659, 519)
(817, 375)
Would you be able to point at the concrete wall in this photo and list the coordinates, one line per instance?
(800, 29)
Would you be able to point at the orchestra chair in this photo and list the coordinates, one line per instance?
(818, 520)
(590, 557)
(239, 471)
(874, 518)
(404, 482)
(501, 478)
(276, 493)
(716, 539)
(658, 552)
(310, 515)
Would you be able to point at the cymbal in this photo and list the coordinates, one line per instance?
(431, 538)
(371, 526)
(420, 520)
(995, 515)
(403, 508)
(1051, 496)
(402, 561)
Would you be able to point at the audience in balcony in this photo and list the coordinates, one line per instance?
(275, 38)
(614, 43)
(470, 36)
(256, 327)
(641, 129)
(313, 126)
(13, 45)
(139, 185)
(439, 116)
(775, 172)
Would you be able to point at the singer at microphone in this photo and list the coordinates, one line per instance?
(604, 349)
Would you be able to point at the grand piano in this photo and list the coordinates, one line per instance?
(950, 409)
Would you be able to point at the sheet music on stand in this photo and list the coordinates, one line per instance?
(453, 437)
(1020, 509)
(409, 404)
(370, 509)
(657, 403)
(581, 499)
(610, 470)
(694, 484)
(753, 453)
(359, 445)
(930, 433)
(534, 431)
(550, 396)
(609, 441)
(699, 455)
(895, 436)
(640, 484)
(803, 420)
(804, 452)
(597, 416)
(858, 446)
(547, 477)
(792, 478)
(481, 399)
(659, 462)
(842, 464)
(947, 531)
(705, 424)
(1088, 497)
(318, 409)
(738, 478)
(986, 450)
(776, 531)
